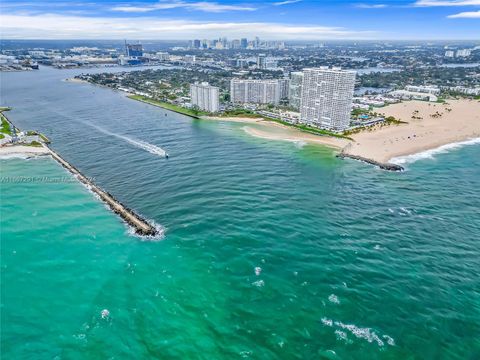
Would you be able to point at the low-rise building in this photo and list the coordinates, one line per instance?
(464, 53)
(411, 95)
(423, 89)
(464, 90)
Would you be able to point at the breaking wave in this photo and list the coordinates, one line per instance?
(367, 334)
(429, 154)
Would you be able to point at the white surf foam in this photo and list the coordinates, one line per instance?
(159, 228)
(367, 334)
(152, 149)
(430, 154)
(333, 299)
(341, 335)
(327, 322)
(259, 283)
(24, 156)
(361, 333)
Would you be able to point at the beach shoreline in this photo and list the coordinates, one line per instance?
(23, 151)
(425, 126)
(429, 126)
(281, 132)
(459, 121)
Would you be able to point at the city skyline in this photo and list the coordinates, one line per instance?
(272, 20)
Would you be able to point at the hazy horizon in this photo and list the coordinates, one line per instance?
(273, 20)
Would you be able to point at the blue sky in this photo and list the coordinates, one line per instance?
(269, 19)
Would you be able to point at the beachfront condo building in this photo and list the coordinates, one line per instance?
(205, 97)
(327, 97)
(255, 91)
(295, 89)
(284, 85)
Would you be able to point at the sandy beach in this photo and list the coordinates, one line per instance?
(246, 120)
(433, 125)
(429, 126)
(274, 131)
(22, 150)
(292, 135)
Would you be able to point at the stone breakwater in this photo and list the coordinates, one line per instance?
(140, 225)
(384, 166)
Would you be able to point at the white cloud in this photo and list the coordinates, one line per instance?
(286, 2)
(205, 6)
(466, 15)
(53, 26)
(428, 3)
(371, 6)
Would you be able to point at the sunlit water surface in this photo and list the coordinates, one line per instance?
(352, 262)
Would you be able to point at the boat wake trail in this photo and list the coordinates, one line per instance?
(152, 149)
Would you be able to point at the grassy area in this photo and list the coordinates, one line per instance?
(392, 120)
(44, 138)
(178, 109)
(35, 144)
(388, 121)
(250, 114)
(240, 113)
(2, 136)
(5, 128)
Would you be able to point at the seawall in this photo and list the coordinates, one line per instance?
(157, 104)
(140, 225)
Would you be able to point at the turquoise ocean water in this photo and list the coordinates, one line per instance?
(355, 263)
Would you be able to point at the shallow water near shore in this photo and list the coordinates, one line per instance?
(354, 262)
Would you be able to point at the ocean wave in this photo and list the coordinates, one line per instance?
(367, 334)
(333, 299)
(259, 283)
(14, 156)
(300, 144)
(429, 154)
(152, 149)
(23, 156)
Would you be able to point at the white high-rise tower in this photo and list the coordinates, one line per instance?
(205, 96)
(327, 97)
